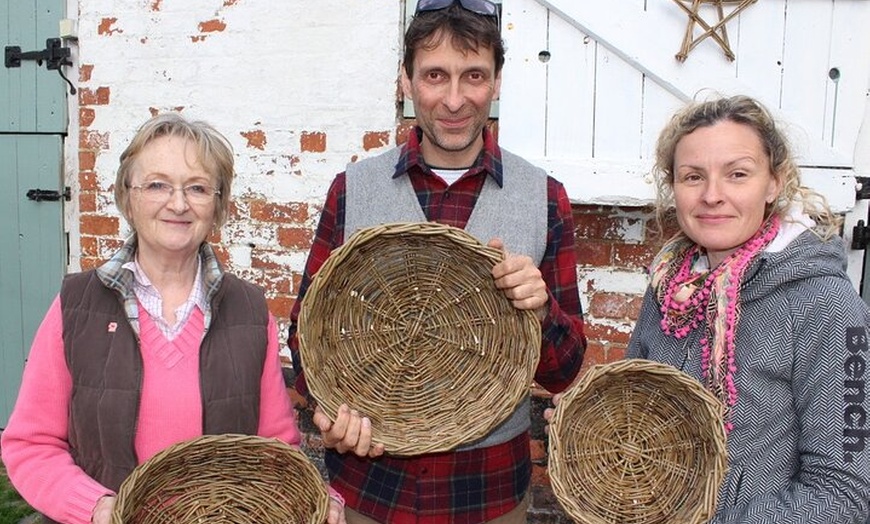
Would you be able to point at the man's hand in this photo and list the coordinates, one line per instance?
(103, 510)
(521, 281)
(349, 432)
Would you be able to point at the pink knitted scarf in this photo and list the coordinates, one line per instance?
(689, 296)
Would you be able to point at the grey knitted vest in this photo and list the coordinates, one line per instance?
(515, 213)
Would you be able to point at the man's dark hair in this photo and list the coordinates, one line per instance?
(468, 32)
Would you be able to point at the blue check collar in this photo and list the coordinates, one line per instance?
(115, 276)
(488, 161)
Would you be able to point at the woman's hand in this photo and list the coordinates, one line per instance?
(336, 512)
(349, 432)
(103, 510)
(549, 412)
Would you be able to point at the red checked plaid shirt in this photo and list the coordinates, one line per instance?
(473, 486)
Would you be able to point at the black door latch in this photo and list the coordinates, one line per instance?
(55, 55)
(861, 233)
(48, 195)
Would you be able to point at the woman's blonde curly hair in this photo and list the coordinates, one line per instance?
(747, 111)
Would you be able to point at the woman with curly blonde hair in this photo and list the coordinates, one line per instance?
(751, 298)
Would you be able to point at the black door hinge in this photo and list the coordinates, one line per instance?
(861, 233)
(55, 56)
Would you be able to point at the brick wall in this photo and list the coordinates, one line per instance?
(297, 101)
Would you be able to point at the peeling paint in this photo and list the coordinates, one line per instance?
(212, 26)
(156, 111)
(613, 280)
(375, 139)
(85, 71)
(94, 140)
(87, 115)
(256, 139)
(105, 27)
(88, 97)
(313, 141)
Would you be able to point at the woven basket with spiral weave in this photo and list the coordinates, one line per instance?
(404, 323)
(224, 479)
(637, 442)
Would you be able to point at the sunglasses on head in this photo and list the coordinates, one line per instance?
(481, 7)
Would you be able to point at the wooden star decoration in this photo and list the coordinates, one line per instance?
(715, 30)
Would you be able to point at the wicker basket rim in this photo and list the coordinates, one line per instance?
(464, 242)
(709, 408)
(235, 443)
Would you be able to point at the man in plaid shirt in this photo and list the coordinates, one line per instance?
(460, 177)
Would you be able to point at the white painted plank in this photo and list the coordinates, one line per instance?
(618, 108)
(658, 107)
(850, 47)
(641, 36)
(837, 185)
(648, 40)
(571, 91)
(522, 109)
(804, 89)
(630, 183)
(602, 182)
(631, 108)
(758, 48)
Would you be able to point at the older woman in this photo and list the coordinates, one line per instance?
(751, 298)
(156, 346)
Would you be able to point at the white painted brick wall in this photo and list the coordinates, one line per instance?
(280, 67)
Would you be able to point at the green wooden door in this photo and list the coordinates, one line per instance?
(33, 123)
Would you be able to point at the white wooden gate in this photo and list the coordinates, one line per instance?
(588, 85)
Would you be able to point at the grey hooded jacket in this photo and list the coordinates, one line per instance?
(799, 451)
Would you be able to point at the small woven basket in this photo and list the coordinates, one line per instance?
(637, 442)
(404, 323)
(224, 479)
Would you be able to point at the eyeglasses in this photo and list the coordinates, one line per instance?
(481, 7)
(162, 192)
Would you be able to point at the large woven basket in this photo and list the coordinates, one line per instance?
(637, 442)
(404, 323)
(224, 479)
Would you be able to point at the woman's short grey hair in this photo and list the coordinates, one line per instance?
(213, 150)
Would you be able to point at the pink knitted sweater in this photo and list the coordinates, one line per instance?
(34, 444)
